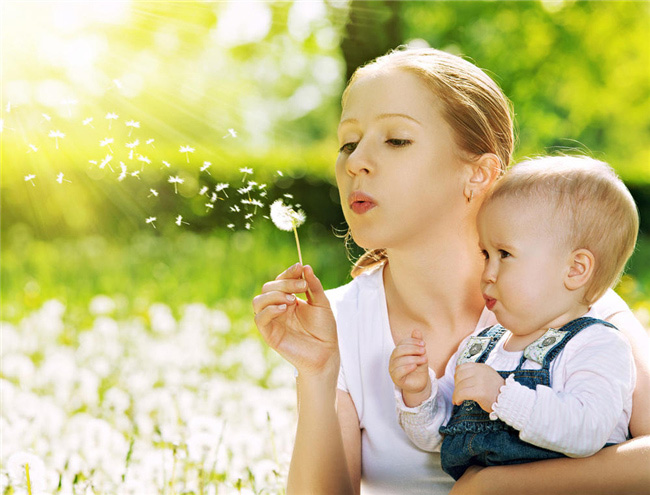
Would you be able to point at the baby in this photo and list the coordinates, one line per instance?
(551, 379)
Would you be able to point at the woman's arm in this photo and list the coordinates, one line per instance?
(638, 338)
(621, 469)
(304, 333)
(351, 431)
(318, 463)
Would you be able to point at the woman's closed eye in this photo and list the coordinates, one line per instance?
(399, 143)
(348, 148)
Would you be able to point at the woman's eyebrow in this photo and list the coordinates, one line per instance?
(381, 117)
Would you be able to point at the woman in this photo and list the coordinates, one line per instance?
(423, 136)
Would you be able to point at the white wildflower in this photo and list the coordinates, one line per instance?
(22, 462)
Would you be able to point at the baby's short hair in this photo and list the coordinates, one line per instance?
(599, 212)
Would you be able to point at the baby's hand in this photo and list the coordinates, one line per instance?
(409, 369)
(477, 382)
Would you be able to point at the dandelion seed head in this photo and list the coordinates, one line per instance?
(285, 217)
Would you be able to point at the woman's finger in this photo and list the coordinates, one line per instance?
(265, 316)
(294, 271)
(261, 301)
(291, 285)
(316, 293)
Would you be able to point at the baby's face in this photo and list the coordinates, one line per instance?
(525, 265)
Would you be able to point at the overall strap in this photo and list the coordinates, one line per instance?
(479, 346)
(549, 345)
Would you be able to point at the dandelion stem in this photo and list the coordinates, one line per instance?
(295, 232)
(29, 483)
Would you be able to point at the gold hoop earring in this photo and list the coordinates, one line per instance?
(471, 194)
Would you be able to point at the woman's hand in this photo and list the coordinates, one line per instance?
(304, 333)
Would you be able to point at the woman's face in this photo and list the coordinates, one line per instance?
(399, 174)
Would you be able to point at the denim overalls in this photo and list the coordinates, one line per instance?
(471, 437)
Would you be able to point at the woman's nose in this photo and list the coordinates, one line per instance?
(359, 161)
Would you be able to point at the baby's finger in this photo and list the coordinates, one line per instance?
(409, 350)
(400, 373)
(261, 301)
(402, 361)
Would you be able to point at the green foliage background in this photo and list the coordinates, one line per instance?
(577, 73)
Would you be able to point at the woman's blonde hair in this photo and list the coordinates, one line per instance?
(592, 209)
(472, 104)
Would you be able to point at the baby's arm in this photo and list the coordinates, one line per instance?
(421, 407)
(597, 370)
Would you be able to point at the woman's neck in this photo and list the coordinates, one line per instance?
(436, 284)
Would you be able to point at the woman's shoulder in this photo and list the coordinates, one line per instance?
(360, 288)
(608, 305)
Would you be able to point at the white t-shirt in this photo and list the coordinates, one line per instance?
(390, 463)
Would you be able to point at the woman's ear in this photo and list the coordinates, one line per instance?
(483, 173)
(581, 268)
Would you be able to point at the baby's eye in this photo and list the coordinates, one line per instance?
(348, 148)
(504, 254)
(485, 254)
(398, 143)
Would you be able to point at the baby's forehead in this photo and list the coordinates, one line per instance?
(540, 214)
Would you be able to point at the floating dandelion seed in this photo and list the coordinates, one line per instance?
(123, 174)
(246, 171)
(280, 173)
(247, 226)
(187, 150)
(166, 164)
(56, 135)
(248, 216)
(150, 141)
(209, 206)
(203, 190)
(144, 159)
(235, 208)
(88, 122)
(117, 83)
(132, 124)
(261, 187)
(110, 117)
(231, 225)
(231, 133)
(179, 221)
(286, 218)
(133, 144)
(106, 161)
(205, 167)
(8, 107)
(222, 186)
(153, 193)
(151, 221)
(69, 103)
(136, 174)
(214, 197)
(94, 162)
(107, 142)
(175, 180)
(46, 117)
(60, 179)
(290, 196)
(30, 178)
(32, 148)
